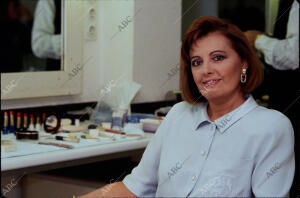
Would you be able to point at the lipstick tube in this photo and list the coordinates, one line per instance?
(25, 122)
(12, 122)
(18, 128)
(5, 123)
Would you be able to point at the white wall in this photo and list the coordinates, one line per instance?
(157, 45)
(144, 51)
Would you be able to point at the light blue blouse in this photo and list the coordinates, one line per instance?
(250, 149)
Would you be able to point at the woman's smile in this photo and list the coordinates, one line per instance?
(211, 83)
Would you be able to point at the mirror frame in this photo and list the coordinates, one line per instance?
(68, 81)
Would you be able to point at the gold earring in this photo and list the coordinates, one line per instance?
(243, 76)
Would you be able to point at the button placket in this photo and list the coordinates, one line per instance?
(204, 153)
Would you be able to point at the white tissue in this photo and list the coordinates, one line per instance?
(121, 95)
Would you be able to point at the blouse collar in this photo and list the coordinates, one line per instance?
(226, 120)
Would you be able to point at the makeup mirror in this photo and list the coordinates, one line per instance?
(52, 124)
(64, 79)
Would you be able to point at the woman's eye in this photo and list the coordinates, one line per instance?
(196, 62)
(218, 58)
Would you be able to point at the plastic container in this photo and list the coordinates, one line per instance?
(150, 125)
(118, 119)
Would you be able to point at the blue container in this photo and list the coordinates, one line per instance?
(136, 117)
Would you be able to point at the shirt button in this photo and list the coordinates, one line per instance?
(212, 128)
(193, 178)
(203, 153)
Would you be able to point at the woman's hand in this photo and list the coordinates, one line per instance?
(117, 189)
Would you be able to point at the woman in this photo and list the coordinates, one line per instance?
(218, 142)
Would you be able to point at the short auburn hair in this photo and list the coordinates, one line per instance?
(200, 28)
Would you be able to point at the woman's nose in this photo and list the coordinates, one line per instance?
(206, 67)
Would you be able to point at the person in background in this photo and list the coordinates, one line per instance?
(15, 35)
(282, 50)
(281, 56)
(46, 33)
(218, 142)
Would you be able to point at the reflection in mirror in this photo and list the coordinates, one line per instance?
(30, 35)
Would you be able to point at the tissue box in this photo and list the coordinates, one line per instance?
(150, 124)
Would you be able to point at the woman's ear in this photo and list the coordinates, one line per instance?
(244, 64)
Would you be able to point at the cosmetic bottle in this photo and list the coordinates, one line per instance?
(118, 118)
(31, 125)
(43, 121)
(38, 125)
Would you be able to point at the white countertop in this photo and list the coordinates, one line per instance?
(51, 154)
